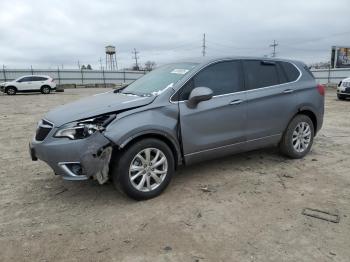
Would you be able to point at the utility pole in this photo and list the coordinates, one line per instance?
(135, 52)
(3, 70)
(203, 45)
(274, 45)
(100, 60)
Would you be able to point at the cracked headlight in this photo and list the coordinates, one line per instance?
(84, 128)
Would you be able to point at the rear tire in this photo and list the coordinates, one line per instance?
(144, 169)
(11, 90)
(45, 90)
(298, 137)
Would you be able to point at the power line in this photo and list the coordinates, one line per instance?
(274, 45)
(203, 45)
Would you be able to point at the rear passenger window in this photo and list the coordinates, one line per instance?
(39, 78)
(291, 72)
(260, 74)
(222, 78)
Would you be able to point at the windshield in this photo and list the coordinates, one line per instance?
(159, 79)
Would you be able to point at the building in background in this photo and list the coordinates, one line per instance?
(340, 57)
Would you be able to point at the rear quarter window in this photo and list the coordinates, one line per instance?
(291, 72)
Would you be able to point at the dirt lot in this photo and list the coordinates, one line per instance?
(253, 212)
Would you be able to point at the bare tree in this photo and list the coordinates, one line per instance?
(150, 65)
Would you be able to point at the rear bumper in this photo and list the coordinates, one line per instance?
(73, 159)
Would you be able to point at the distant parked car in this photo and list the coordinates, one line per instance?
(343, 90)
(32, 83)
(181, 114)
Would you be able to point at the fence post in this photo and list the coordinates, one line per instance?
(329, 74)
(82, 76)
(124, 76)
(3, 70)
(31, 69)
(59, 77)
(103, 75)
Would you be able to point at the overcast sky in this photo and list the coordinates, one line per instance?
(48, 33)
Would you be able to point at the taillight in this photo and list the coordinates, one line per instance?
(321, 89)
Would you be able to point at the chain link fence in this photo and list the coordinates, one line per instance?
(76, 77)
(102, 77)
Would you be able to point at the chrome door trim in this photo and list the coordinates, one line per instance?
(219, 147)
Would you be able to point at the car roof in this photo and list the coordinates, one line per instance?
(34, 75)
(208, 60)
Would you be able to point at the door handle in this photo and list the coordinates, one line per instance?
(288, 91)
(236, 102)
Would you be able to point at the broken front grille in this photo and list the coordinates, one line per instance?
(44, 128)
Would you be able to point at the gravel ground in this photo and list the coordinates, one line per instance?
(252, 212)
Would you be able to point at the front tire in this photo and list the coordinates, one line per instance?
(11, 90)
(341, 97)
(45, 90)
(298, 137)
(144, 169)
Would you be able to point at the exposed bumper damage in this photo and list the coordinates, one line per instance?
(76, 159)
(95, 163)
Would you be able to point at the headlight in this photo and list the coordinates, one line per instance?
(84, 128)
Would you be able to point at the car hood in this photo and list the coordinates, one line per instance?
(95, 105)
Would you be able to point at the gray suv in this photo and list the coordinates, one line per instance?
(180, 114)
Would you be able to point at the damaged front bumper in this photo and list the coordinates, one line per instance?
(78, 159)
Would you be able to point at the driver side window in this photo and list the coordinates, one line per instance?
(222, 78)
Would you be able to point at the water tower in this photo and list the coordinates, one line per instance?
(111, 58)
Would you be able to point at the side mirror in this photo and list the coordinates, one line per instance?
(199, 94)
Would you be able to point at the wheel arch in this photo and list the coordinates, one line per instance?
(311, 114)
(168, 140)
(7, 87)
(45, 86)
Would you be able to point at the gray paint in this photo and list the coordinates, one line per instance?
(222, 125)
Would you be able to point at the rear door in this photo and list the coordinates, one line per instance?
(215, 127)
(271, 100)
(38, 82)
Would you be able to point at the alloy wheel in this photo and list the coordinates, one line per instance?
(148, 169)
(301, 137)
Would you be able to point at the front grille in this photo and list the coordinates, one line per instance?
(44, 128)
(347, 90)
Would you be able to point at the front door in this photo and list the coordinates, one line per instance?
(215, 127)
(25, 83)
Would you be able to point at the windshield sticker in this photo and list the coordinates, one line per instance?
(179, 71)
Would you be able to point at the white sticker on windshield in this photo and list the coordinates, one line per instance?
(179, 71)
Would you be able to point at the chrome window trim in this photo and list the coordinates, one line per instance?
(239, 92)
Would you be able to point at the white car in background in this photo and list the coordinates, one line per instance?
(31, 83)
(343, 89)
